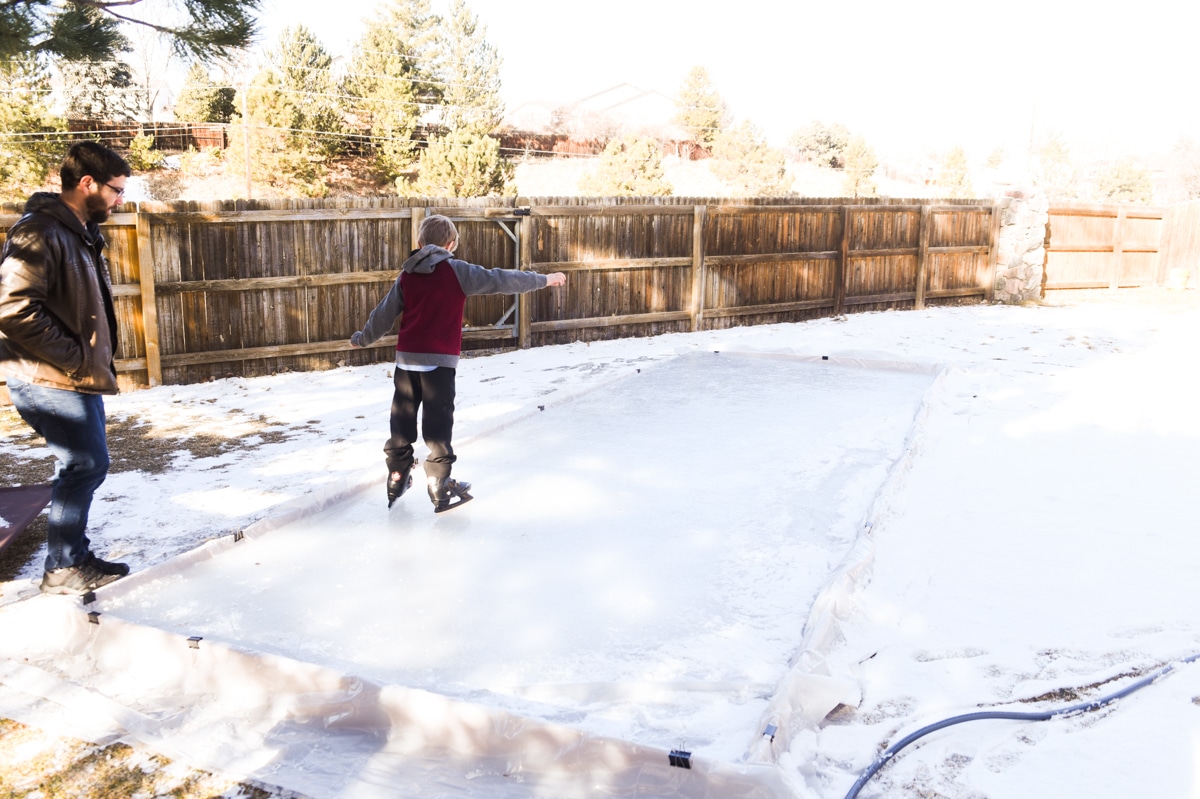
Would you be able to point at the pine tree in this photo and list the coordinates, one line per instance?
(389, 83)
(80, 30)
(699, 109)
(303, 70)
(1125, 181)
(200, 100)
(861, 163)
(468, 69)
(1054, 173)
(954, 179)
(821, 144)
(463, 163)
(278, 156)
(1185, 168)
(100, 90)
(32, 139)
(748, 165)
(630, 167)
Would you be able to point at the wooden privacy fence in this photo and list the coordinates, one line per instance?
(1103, 246)
(253, 287)
(1180, 248)
(167, 135)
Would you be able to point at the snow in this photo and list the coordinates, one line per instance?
(674, 542)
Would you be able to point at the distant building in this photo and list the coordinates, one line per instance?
(620, 110)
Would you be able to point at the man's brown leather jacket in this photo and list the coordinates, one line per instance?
(57, 325)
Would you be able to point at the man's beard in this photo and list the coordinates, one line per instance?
(98, 209)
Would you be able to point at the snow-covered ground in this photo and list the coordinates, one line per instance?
(676, 542)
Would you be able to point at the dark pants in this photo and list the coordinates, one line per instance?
(433, 393)
(73, 426)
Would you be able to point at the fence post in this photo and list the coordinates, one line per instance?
(525, 301)
(1114, 279)
(418, 216)
(699, 274)
(922, 256)
(993, 253)
(145, 256)
(841, 271)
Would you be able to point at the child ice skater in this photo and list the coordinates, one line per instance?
(428, 297)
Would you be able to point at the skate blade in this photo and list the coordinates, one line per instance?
(463, 499)
(392, 500)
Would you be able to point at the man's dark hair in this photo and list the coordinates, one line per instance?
(91, 158)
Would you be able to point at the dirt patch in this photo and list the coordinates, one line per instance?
(140, 444)
(58, 768)
(135, 443)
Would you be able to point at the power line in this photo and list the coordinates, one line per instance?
(37, 137)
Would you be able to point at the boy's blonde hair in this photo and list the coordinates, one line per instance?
(436, 229)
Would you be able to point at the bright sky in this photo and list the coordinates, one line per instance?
(914, 78)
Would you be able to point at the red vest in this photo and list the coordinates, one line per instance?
(433, 312)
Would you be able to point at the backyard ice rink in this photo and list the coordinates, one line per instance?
(685, 544)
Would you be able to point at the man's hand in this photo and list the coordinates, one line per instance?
(556, 279)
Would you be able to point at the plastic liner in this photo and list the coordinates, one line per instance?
(20, 505)
(325, 733)
(301, 726)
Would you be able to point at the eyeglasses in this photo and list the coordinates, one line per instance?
(119, 192)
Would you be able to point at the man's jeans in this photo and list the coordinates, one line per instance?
(73, 426)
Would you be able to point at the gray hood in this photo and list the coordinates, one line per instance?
(425, 259)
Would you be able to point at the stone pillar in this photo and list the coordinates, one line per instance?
(1021, 247)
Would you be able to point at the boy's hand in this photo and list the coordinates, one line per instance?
(556, 279)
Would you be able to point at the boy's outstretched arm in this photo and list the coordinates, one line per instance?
(381, 319)
(476, 279)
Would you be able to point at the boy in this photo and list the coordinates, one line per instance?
(429, 296)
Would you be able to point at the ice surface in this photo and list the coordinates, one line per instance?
(638, 562)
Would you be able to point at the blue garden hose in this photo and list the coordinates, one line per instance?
(1094, 704)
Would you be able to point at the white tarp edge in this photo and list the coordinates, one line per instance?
(286, 722)
(813, 687)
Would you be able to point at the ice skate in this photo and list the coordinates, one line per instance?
(398, 482)
(446, 493)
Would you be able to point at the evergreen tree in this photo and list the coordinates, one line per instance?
(79, 30)
(201, 100)
(303, 71)
(954, 178)
(1053, 171)
(1185, 168)
(821, 144)
(32, 139)
(463, 163)
(278, 156)
(699, 109)
(748, 165)
(861, 163)
(468, 69)
(1124, 182)
(100, 90)
(630, 167)
(389, 83)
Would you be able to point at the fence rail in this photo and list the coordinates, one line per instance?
(217, 289)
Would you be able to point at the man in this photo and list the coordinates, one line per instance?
(58, 333)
